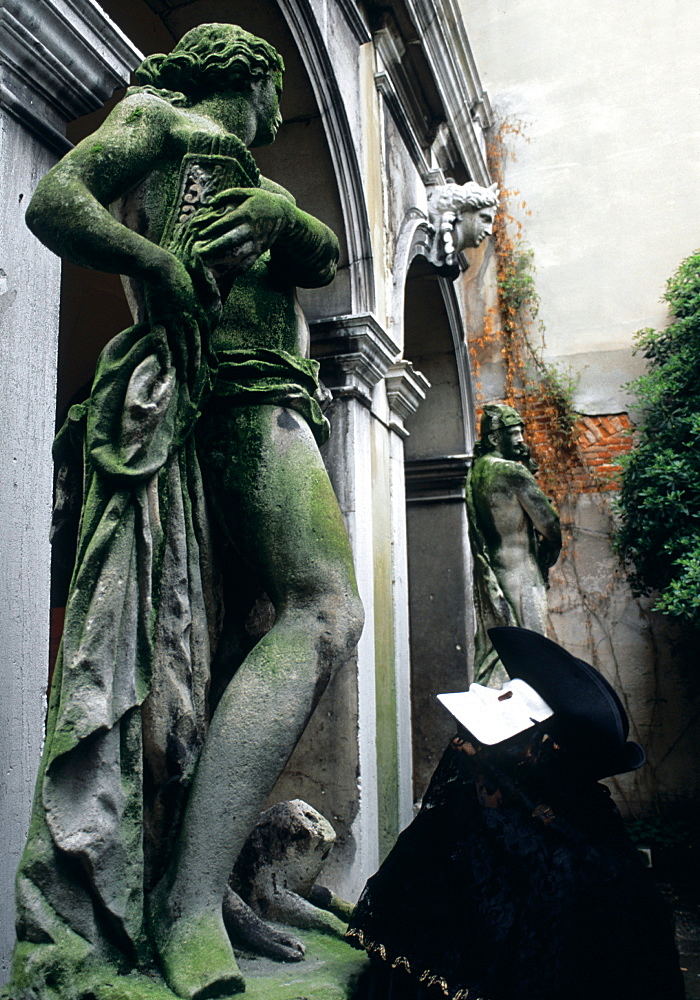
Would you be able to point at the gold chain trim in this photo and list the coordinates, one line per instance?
(373, 948)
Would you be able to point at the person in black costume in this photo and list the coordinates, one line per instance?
(517, 880)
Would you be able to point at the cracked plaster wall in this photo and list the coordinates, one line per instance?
(608, 100)
(650, 662)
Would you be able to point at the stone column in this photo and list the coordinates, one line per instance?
(59, 59)
(355, 354)
(406, 390)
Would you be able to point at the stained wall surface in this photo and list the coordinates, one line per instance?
(602, 105)
(607, 100)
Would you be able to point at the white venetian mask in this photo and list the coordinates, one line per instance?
(493, 715)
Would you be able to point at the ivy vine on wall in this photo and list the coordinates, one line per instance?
(541, 392)
(659, 501)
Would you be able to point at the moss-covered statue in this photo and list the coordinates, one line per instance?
(201, 451)
(514, 534)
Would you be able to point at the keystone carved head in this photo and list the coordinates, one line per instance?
(462, 216)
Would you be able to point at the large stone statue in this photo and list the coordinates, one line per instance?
(514, 534)
(202, 478)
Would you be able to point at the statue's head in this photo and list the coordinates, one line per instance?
(502, 433)
(463, 214)
(214, 58)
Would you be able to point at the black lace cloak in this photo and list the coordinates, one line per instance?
(516, 881)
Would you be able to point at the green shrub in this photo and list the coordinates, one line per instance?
(659, 501)
(660, 831)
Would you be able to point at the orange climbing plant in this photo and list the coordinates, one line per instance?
(542, 393)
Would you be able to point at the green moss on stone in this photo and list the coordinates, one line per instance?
(331, 970)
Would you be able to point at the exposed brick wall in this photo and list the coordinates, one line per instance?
(602, 440)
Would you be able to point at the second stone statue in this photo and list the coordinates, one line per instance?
(515, 537)
(168, 723)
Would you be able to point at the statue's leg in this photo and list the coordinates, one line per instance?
(275, 500)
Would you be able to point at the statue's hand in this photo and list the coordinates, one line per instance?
(173, 303)
(237, 226)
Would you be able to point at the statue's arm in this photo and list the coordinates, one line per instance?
(307, 250)
(544, 517)
(69, 210)
(245, 222)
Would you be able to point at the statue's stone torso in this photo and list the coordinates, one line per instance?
(509, 537)
(200, 161)
(507, 529)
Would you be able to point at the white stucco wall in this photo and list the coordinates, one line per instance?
(607, 93)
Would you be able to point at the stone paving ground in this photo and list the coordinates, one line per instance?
(330, 971)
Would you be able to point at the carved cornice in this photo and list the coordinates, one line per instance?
(60, 59)
(437, 480)
(440, 26)
(397, 109)
(395, 80)
(355, 352)
(348, 9)
(431, 85)
(405, 389)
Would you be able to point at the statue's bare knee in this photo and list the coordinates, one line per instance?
(348, 627)
(337, 616)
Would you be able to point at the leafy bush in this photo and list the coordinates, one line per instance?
(659, 502)
(660, 831)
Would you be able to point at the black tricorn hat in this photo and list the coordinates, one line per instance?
(589, 718)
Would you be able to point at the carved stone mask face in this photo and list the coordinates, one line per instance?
(265, 97)
(473, 226)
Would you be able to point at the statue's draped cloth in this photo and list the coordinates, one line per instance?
(128, 706)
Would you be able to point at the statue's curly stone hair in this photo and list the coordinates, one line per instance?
(209, 57)
(453, 197)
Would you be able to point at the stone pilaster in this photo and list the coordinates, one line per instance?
(406, 388)
(355, 353)
(59, 59)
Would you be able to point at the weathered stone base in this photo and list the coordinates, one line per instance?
(330, 971)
